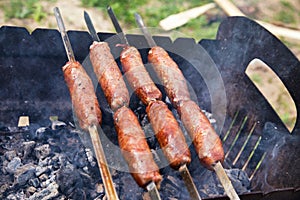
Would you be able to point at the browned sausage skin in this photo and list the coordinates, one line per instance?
(169, 134)
(135, 148)
(206, 141)
(169, 74)
(109, 75)
(83, 96)
(137, 75)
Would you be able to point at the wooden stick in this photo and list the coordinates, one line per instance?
(111, 193)
(231, 10)
(179, 19)
(226, 183)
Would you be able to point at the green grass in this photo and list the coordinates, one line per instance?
(157, 10)
(286, 13)
(23, 9)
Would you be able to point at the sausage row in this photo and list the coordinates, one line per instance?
(164, 124)
(206, 141)
(131, 137)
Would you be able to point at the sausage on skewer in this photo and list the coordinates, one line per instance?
(164, 124)
(206, 141)
(131, 137)
(83, 96)
(135, 148)
(109, 75)
(169, 134)
(169, 74)
(137, 75)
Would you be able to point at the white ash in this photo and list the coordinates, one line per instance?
(24, 173)
(9, 155)
(58, 125)
(13, 165)
(47, 193)
(34, 182)
(90, 156)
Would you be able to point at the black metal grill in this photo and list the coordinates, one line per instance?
(32, 84)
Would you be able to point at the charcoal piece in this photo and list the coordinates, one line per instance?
(9, 155)
(3, 128)
(99, 188)
(128, 184)
(32, 133)
(239, 179)
(13, 165)
(173, 181)
(42, 151)
(43, 177)
(24, 173)
(68, 178)
(44, 133)
(208, 184)
(34, 182)
(3, 188)
(55, 161)
(78, 193)
(80, 159)
(16, 196)
(41, 170)
(47, 193)
(28, 148)
(58, 125)
(44, 162)
(31, 190)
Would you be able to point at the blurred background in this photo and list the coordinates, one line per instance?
(33, 14)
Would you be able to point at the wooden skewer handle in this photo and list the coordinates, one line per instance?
(104, 170)
(231, 10)
(226, 183)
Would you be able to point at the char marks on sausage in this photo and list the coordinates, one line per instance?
(206, 141)
(169, 134)
(169, 74)
(109, 75)
(135, 148)
(137, 75)
(84, 100)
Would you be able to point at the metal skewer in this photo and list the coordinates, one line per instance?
(230, 191)
(151, 187)
(91, 27)
(100, 156)
(117, 25)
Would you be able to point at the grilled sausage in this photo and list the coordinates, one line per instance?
(135, 148)
(169, 134)
(206, 141)
(137, 75)
(83, 96)
(169, 74)
(109, 75)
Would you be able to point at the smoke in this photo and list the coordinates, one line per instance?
(280, 168)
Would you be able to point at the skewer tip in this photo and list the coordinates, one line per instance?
(85, 13)
(139, 19)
